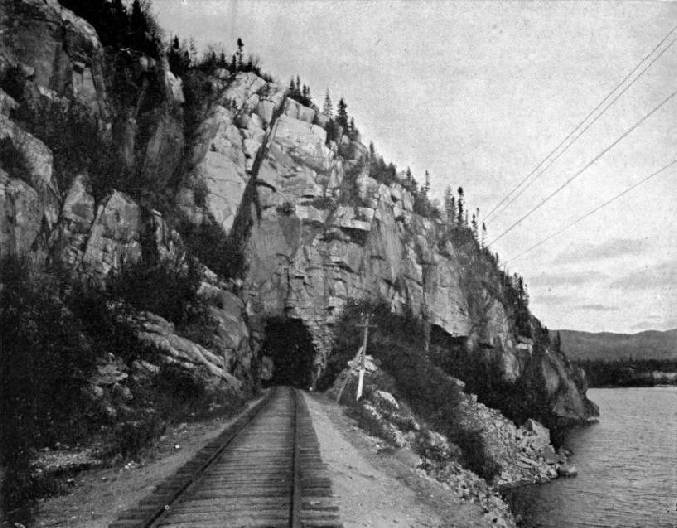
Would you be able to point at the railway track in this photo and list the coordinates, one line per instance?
(265, 470)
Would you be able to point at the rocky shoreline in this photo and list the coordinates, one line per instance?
(519, 455)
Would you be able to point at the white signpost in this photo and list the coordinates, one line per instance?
(363, 355)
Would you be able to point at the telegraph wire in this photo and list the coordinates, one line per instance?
(553, 160)
(580, 124)
(585, 129)
(592, 162)
(572, 224)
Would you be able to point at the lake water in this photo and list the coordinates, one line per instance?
(627, 467)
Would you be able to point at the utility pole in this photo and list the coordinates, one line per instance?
(363, 353)
(425, 312)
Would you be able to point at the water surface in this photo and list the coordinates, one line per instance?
(627, 467)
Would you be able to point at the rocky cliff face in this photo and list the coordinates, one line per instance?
(52, 64)
(321, 230)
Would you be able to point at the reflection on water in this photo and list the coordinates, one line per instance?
(627, 467)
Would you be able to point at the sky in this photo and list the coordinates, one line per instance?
(479, 93)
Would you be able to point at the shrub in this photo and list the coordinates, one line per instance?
(397, 344)
(168, 288)
(285, 209)
(323, 202)
(179, 383)
(369, 422)
(221, 253)
(131, 437)
(73, 136)
(106, 322)
(383, 172)
(117, 28)
(46, 359)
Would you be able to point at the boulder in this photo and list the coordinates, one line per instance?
(296, 110)
(7, 104)
(303, 142)
(567, 470)
(209, 369)
(541, 434)
(386, 400)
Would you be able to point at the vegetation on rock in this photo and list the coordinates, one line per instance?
(119, 28)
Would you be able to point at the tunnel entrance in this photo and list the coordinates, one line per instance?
(289, 346)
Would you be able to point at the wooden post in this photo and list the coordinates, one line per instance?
(425, 313)
(363, 359)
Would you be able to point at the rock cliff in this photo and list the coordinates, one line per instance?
(318, 230)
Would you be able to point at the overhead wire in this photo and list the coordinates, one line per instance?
(586, 167)
(553, 160)
(587, 215)
(581, 123)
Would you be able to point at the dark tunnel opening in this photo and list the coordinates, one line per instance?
(289, 346)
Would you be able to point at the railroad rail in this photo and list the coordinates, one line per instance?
(265, 470)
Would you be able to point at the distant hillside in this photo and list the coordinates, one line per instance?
(650, 344)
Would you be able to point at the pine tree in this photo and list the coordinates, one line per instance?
(409, 181)
(240, 46)
(353, 133)
(449, 205)
(557, 345)
(461, 206)
(192, 50)
(120, 22)
(475, 229)
(342, 118)
(328, 108)
(522, 291)
(484, 235)
(137, 25)
(425, 190)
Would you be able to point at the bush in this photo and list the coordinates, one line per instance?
(368, 422)
(117, 28)
(323, 202)
(397, 344)
(221, 253)
(168, 288)
(383, 172)
(46, 359)
(285, 209)
(131, 437)
(106, 322)
(179, 383)
(73, 136)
